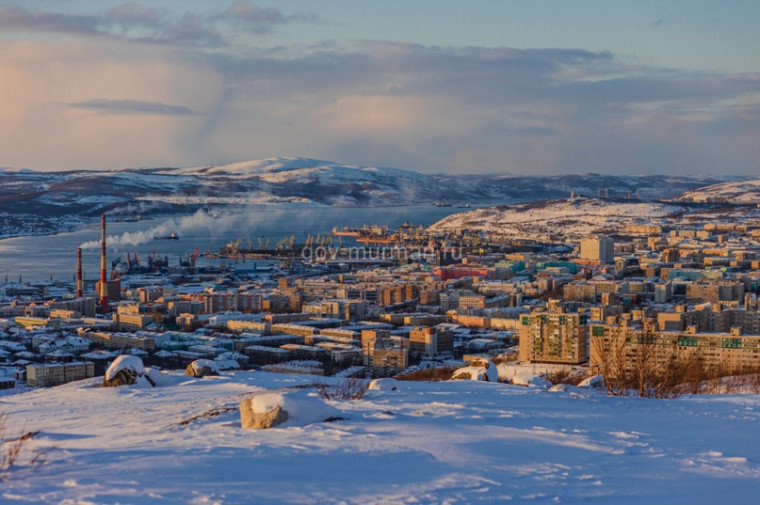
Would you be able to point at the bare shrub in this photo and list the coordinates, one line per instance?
(15, 447)
(565, 376)
(731, 381)
(644, 366)
(649, 365)
(346, 389)
(429, 374)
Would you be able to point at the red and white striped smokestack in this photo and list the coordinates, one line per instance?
(103, 276)
(79, 272)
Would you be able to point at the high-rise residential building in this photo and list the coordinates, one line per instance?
(388, 362)
(554, 337)
(372, 339)
(431, 341)
(598, 248)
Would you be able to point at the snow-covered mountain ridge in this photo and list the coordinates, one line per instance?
(130, 191)
(292, 167)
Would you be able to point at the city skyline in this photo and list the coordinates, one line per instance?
(507, 87)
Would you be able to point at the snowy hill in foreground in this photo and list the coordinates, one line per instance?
(454, 442)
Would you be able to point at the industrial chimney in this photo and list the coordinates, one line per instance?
(79, 272)
(103, 276)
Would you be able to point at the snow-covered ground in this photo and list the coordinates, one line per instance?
(285, 169)
(571, 219)
(449, 442)
(733, 192)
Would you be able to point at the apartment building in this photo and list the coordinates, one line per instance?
(389, 362)
(53, 374)
(598, 248)
(714, 317)
(554, 337)
(432, 341)
(622, 347)
(145, 342)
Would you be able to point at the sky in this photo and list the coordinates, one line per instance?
(437, 86)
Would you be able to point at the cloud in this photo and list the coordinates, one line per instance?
(537, 131)
(128, 23)
(469, 109)
(40, 79)
(132, 22)
(15, 20)
(133, 107)
(428, 108)
(262, 19)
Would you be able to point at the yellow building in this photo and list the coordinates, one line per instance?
(554, 337)
(388, 362)
(53, 374)
(128, 321)
(621, 348)
(431, 341)
(123, 340)
(598, 248)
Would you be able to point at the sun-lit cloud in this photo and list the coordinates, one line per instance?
(139, 85)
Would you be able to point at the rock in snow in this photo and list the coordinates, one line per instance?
(202, 368)
(387, 384)
(592, 382)
(125, 370)
(478, 371)
(297, 408)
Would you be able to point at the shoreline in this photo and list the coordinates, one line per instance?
(289, 205)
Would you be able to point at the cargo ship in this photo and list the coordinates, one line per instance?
(171, 236)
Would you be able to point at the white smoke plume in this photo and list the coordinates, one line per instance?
(201, 220)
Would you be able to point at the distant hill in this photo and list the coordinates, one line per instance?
(569, 220)
(731, 192)
(30, 196)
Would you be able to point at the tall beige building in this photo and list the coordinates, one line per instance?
(598, 248)
(431, 341)
(554, 337)
(389, 362)
(371, 340)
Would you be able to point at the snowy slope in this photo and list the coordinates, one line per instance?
(36, 196)
(454, 442)
(291, 168)
(572, 218)
(569, 220)
(732, 192)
